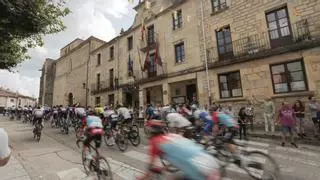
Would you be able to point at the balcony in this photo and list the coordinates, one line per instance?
(103, 86)
(260, 46)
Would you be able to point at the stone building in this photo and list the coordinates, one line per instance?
(71, 72)
(14, 99)
(222, 51)
(261, 48)
(171, 37)
(46, 82)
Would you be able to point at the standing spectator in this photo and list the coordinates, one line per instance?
(299, 112)
(269, 113)
(5, 151)
(314, 109)
(287, 120)
(250, 114)
(242, 123)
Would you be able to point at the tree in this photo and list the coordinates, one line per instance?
(23, 23)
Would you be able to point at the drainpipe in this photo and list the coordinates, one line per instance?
(205, 52)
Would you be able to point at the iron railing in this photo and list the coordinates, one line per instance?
(103, 86)
(257, 45)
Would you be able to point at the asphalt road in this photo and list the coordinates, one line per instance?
(56, 157)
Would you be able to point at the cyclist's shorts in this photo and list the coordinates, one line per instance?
(94, 134)
(230, 133)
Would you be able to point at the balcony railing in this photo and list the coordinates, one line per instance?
(260, 45)
(103, 86)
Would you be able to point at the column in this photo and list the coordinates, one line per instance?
(166, 91)
(142, 96)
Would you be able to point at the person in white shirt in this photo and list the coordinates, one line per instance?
(5, 151)
(125, 112)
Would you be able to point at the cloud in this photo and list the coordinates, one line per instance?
(99, 18)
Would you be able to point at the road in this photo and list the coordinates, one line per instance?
(56, 157)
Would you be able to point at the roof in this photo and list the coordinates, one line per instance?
(8, 93)
(73, 42)
(80, 45)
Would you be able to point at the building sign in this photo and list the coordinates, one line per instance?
(179, 100)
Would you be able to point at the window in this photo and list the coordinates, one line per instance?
(98, 100)
(179, 52)
(12, 100)
(98, 81)
(288, 77)
(98, 59)
(152, 70)
(279, 27)
(218, 5)
(111, 78)
(130, 43)
(230, 85)
(177, 19)
(151, 39)
(111, 52)
(224, 43)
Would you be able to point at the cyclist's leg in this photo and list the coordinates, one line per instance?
(86, 144)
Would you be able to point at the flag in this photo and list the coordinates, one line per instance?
(130, 65)
(157, 55)
(143, 30)
(147, 61)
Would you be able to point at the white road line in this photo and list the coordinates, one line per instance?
(252, 143)
(302, 152)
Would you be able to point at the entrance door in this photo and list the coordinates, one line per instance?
(191, 91)
(111, 99)
(70, 99)
(128, 99)
(148, 97)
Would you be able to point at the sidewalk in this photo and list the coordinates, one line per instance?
(260, 133)
(14, 171)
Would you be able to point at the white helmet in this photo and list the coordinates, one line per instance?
(196, 113)
(176, 120)
(166, 110)
(194, 107)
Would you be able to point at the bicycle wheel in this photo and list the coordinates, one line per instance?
(261, 166)
(108, 139)
(168, 165)
(135, 127)
(122, 142)
(135, 140)
(86, 163)
(104, 169)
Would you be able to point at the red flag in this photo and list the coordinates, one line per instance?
(146, 62)
(157, 55)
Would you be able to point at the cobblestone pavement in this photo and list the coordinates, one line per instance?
(56, 157)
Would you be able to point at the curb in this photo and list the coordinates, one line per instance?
(308, 141)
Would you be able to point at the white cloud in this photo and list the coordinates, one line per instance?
(88, 18)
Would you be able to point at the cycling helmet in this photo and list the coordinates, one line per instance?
(156, 127)
(196, 114)
(194, 107)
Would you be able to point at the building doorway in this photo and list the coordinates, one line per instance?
(148, 97)
(70, 99)
(111, 99)
(129, 99)
(191, 91)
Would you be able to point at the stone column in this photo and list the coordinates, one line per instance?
(166, 91)
(142, 96)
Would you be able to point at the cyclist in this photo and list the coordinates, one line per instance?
(37, 117)
(99, 110)
(93, 130)
(182, 153)
(124, 112)
(151, 113)
(204, 117)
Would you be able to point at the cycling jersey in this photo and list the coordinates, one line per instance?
(177, 120)
(38, 113)
(206, 118)
(224, 119)
(99, 110)
(184, 154)
(93, 122)
(80, 111)
(123, 111)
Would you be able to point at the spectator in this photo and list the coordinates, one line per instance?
(299, 112)
(230, 111)
(242, 123)
(250, 114)
(5, 151)
(269, 113)
(314, 109)
(287, 120)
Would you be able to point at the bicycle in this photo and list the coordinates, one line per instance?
(253, 162)
(131, 130)
(119, 137)
(95, 163)
(37, 131)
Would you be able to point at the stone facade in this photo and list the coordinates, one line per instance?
(47, 82)
(71, 78)
(14, 99)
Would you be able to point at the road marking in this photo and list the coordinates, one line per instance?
(302, 152)
(252, 143)
(70, 174)
(298, 160)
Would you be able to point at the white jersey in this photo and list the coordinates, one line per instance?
(80, 111)
(108, 113)
(177, 120)
(38, 113)
(124, 112)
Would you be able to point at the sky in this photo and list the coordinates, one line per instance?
(100, 18)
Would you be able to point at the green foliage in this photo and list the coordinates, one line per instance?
(23, 23)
